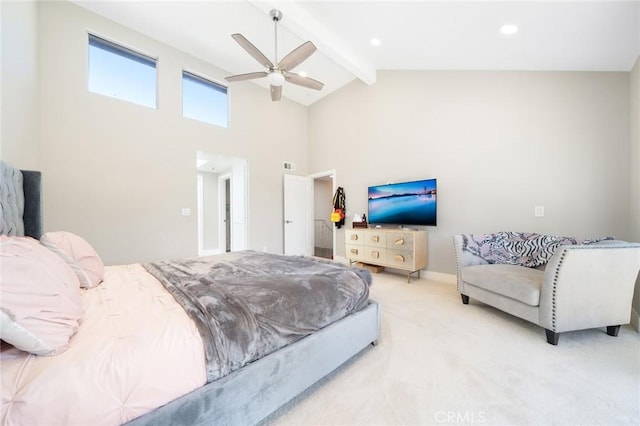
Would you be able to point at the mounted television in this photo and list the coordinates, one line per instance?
(405, 203)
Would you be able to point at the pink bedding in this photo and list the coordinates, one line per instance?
(136, 349)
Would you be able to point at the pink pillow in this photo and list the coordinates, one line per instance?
(40, 305)
(79, 254)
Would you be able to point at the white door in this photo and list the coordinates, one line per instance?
(298, 215)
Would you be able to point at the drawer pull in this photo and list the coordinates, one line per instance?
(375, 238)
(399, 241)
(354, 237)
(354, 251)
(375, 254)
(399, 258)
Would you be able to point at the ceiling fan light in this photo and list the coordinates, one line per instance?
(276, 78)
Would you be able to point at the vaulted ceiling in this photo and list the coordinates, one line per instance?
(552, 35)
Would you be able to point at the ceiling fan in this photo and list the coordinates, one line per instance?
(279, 73)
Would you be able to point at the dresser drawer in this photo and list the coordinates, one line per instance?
(400, 240)
(354, 237)
(375, 255)
(355, 252)
(375, 239)
(402, 259)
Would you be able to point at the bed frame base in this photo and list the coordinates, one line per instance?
(250, 394)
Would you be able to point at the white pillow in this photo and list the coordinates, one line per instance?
(40, 307)
(79, 254)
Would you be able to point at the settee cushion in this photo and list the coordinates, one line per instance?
(516, 282)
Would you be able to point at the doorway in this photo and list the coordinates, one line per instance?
(222, 203)
(308, 203)
(323, 228)
(224, 191)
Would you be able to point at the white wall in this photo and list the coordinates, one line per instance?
(635, 150)
(211, 209)
(119, 174)
(499, 144)
(634, 194)
(19, 87)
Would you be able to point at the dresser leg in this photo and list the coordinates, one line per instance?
(409, 275)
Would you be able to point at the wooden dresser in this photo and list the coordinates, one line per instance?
(394, 248)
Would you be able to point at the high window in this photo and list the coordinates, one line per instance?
(204, 100)
(121, 73)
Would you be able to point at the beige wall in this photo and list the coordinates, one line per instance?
(212, 212)
(635, 175)
(499, 144)
(19, 99)
(119, 174)
(635, 150)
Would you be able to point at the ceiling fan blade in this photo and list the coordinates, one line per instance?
(303, 81)
(252, 50)
(296, 56)
(276, 93)
(247, 76)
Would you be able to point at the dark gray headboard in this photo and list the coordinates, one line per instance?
(32, 185)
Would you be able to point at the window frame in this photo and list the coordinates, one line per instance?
(124, 51)
(208, 82)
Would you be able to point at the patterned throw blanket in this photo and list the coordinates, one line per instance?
(248, 304)
(519, 248)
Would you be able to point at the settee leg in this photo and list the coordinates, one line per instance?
(552, 338)
(465, 299)
(613, 330)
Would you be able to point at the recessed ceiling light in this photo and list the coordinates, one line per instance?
(509, 29)
(375, 42)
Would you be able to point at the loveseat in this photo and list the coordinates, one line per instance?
(559, 283)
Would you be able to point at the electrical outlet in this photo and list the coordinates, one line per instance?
(186, 211)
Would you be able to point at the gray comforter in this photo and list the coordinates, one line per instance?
(248, 304)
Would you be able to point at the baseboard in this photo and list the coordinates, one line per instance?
(635, 320)
(439, 276)
(209, 252)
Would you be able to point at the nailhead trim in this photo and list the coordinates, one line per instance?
(556, 276)
(457, 267)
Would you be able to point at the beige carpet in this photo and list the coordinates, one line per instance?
(442, 362)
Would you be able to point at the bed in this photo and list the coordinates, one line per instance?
(140, 356)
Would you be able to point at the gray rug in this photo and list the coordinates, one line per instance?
(441, 362)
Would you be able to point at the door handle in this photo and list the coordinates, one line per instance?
(288, 221)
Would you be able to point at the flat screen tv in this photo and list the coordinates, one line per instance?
(404, 203)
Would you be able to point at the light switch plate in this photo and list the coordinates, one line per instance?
(538, 211)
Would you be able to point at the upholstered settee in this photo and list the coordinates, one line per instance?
(561, 284)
